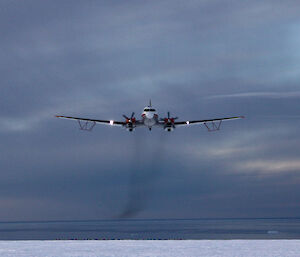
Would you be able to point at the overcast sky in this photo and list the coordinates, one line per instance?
(196, 59)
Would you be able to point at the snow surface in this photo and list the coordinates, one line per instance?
(148, 248)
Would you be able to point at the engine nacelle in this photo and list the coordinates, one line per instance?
(130, 129)
(169, 128)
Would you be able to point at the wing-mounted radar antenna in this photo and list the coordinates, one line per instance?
(213, 125)
(86, 125)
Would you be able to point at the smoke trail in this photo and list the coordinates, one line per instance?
(144, 173)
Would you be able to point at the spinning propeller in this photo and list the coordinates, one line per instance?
(169, 120)
(130, 120)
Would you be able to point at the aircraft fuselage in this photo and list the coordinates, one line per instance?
(149, 116)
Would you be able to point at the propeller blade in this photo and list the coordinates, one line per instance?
(168, 115)
(132, 115)
(125, 117)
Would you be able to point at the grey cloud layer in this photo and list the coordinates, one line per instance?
(198, 59)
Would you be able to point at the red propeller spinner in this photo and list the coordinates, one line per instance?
(170, 119)
(132, 119)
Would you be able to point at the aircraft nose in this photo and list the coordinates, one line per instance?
(149, 115)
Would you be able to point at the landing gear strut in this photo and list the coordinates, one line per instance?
(150, 128)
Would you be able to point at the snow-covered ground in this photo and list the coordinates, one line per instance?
(151, 248)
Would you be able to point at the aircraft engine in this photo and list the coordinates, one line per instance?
(130, 122)
(169, 123)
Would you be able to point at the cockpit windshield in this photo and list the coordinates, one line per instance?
(149, 110)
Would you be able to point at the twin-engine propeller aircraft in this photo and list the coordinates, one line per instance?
(149, 119)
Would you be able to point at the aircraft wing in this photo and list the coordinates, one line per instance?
(107, 122)
(192, 122)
